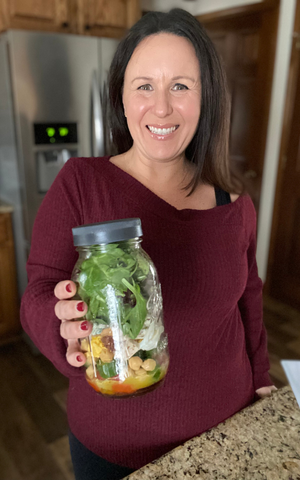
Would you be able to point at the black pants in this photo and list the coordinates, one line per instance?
(88, 466)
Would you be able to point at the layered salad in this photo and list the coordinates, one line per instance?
(127, 352)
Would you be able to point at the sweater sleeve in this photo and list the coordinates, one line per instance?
(52, 258)
(251, 308)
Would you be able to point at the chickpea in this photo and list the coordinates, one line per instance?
(106, 332)
(130, 372)
(84, 344)
(90, 372)
(149, 365)
(135, 363)
(141, 372)
(88, 357)
(106, 356)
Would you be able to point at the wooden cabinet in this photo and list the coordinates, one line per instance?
(106, 18)
(43, 15)
(9, 300)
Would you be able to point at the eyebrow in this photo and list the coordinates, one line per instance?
(174, 78)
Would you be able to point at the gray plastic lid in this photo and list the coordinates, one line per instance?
(107, 232)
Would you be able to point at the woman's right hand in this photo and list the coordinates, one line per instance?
(67, 310)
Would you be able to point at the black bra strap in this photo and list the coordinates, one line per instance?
(222, 197)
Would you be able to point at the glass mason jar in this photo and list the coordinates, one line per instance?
(127, 351)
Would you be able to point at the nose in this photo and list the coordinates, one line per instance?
(162, 103)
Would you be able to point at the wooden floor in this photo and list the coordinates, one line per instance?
(33, 424)
(283, 327)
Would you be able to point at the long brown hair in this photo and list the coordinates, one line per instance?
(208, 149)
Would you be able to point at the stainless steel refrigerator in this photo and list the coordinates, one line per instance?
(52, 107)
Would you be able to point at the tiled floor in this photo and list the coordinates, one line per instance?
(33, 425)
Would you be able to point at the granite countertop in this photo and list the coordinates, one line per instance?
(262, 442)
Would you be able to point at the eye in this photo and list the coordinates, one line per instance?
(179, 86)
(145, 87)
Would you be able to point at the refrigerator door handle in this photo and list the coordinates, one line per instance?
(97, 120)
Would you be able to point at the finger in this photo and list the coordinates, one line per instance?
(74, 356)
(266, 391)
(69, 309)
(65, 289)
(74, 330)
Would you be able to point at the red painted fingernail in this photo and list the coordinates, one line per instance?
(80, 306)
(78, 358)
(84, 326)
(68, 288)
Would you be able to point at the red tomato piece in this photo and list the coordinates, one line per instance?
(121, 388)
(94, 386)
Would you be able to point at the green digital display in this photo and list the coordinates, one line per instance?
(63, 131)
(55, 133)
(50, 131)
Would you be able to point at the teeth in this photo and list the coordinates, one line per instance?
(161, 131)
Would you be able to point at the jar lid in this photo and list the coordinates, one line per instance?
(107, 232)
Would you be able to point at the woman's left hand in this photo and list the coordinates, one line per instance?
(266, 391)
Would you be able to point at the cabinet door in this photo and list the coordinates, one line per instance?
(9, 302)
(44, 15)
(246, 43)
(107, 18)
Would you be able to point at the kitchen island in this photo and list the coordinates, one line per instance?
(262, 442)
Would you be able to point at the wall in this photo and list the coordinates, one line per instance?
(196, 7)
(166, 5)
(281, 69)
(205, 6)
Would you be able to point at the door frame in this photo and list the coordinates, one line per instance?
(294, 71)
(270, 9)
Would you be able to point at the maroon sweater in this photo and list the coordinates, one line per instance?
(212, 298)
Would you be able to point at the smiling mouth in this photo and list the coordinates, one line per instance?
(162, 131)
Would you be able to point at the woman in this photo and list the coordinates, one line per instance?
(170, 125)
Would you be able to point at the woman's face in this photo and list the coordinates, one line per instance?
(162, 96)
